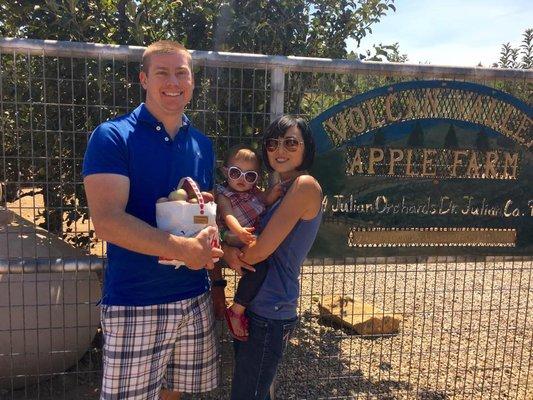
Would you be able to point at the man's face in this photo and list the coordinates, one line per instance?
(169, 84)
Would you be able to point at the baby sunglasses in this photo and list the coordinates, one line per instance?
(235, 173)
(291, 144)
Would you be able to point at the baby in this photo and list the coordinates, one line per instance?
(240, 203)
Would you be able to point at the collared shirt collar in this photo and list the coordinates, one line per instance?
(142, 114)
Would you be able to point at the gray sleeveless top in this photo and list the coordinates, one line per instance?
(278, 296)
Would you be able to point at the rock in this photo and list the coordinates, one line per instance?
(358, 316)
(6, 217)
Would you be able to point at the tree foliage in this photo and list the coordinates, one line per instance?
(450, 140)
(416, 137)
(384, 52)
(482, 141)
(518, 57)
(317, 28)
(50, 104)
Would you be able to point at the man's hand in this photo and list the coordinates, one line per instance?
(231, 256)
(198, 253)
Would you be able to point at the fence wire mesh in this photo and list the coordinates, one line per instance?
(465, 331)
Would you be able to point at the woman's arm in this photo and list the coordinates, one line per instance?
(302, 201)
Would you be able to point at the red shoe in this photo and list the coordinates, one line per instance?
(241, 319)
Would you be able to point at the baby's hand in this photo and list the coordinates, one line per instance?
(277, 190)
(246, 236)
(274, 193)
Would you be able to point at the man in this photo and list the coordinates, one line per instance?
(157, 321)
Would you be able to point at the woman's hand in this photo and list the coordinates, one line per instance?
(232, 257)
(245, 251)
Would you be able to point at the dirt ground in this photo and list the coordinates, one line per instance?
(32, 209)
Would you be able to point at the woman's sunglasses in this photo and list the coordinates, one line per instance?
(290, 144)
(235, 173)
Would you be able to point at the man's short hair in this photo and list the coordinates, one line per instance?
(162, 47)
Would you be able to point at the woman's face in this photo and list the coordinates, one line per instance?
(288, 155)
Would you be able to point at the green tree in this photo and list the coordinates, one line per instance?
(317, 28)
(50, 159)
(379, 138)
(416, 137)
(518, 57)
(450, 140)
(482, 141)
(382, 52)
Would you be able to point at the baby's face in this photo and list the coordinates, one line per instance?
(242, 174)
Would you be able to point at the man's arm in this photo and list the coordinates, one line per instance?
(217, 292)
(107, 196)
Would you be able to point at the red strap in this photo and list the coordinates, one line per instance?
(192, 185)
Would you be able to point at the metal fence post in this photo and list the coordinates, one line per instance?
(277, 99)
(277, 92)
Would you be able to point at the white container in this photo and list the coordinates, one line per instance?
(47, 320)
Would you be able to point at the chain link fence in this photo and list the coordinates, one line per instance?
(465, 328)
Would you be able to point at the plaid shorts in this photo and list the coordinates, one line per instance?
(166, 345)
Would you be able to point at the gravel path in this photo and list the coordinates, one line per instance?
(466, 334)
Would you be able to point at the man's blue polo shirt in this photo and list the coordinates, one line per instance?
(136, 145)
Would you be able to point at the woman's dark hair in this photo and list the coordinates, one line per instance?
(279, 127)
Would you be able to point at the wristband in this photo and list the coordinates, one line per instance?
(222, 234)
(219, 283)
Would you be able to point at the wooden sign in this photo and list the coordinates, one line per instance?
(426, 167)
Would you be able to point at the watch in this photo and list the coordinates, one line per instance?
(219, 283)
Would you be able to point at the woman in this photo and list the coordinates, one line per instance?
(290, 227)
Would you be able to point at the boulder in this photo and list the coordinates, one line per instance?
(358, 316)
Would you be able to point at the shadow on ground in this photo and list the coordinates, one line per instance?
(314, 368)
